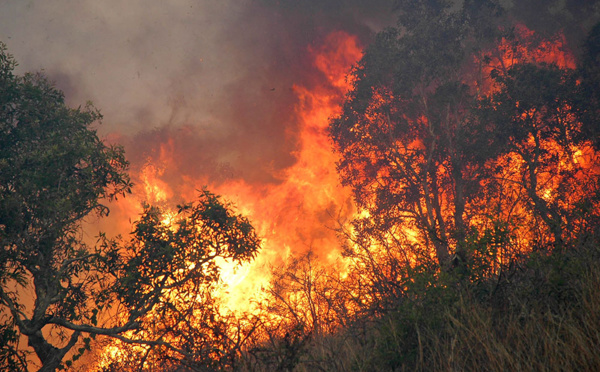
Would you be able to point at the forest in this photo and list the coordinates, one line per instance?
(467, 139)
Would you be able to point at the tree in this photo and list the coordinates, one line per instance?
(589, 71)
(406, 135)
(164, 279)
(534, 117)
(54, 172)
(457, 130)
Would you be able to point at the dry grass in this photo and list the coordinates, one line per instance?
(545, 318)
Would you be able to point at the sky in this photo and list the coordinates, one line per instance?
(218, 74)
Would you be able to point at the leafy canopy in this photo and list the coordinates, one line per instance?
(54, 172)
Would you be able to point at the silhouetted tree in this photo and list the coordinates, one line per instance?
(406, 135)
(153, 290)
(535, 122)
(460, 124)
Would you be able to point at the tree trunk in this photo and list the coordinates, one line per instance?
(49, 355)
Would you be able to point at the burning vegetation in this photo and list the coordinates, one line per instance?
(441, 212)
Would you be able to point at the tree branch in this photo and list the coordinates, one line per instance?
(16, 313)
(68, 262)
(150, 343)
(92, 329)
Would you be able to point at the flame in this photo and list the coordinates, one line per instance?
(300, 211)
(528, 47)
(292, 216)
(155, 190)
(524, 46)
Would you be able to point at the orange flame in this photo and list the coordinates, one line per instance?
(299, 212)
(292, 216)
(526, 47)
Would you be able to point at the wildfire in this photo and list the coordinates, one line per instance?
(529, 48)
(292, 216)
(299, 213)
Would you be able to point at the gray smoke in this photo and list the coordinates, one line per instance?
(215, 76)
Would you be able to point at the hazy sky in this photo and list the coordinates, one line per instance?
(217, 74)
(137, 59)
(221, 69)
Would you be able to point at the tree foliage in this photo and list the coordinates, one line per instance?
(406, 132)
(165, 278)
(470, 143)
(459, 123)
(153, 290)
(533, 113)
(53, 172)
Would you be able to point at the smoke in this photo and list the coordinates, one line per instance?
(214, 76)
(573, 18)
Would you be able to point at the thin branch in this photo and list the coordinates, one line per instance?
(16, 313)
(150, 343)
(68, 262)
